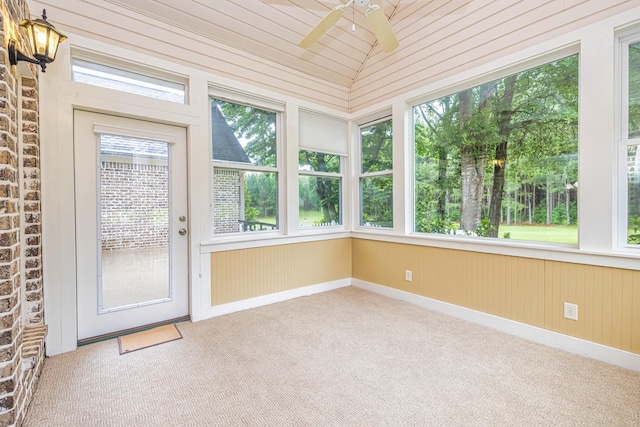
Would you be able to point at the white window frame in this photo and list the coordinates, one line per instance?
(624, 141)
(334, 175)
(127, 69)
(454, 89)
(267, 105)
(363, 175)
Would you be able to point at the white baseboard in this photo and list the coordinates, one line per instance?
(232, 307)
(574, 345)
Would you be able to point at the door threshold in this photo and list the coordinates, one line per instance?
(116, 334)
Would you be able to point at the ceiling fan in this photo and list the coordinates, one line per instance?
(377, 20)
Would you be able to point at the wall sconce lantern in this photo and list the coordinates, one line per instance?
(44, 40)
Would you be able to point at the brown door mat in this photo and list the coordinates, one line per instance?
(148, 338)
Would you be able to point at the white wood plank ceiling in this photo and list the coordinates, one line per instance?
(256, 41)
(271, 29)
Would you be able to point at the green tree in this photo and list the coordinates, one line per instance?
(256, 127)
(477, 138)
(377, 156)
(262, 187)
(520, 130)
(327, 189)
(250, 212)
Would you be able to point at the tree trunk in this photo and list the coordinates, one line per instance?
(443, 162)
(549, 200)
(530, 202)
(566, 204)
(473, 163)
(323, 190)
(533, 203)
(500, 162)
(441, 183)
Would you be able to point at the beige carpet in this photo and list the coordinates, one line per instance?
(342, 358)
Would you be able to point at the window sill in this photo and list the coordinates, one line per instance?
(258, 239)
(515, 248)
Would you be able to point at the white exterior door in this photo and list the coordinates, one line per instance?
(132, 235)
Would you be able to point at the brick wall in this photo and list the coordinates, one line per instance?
(227, 187)
(31, 203)
(21, 303)
(135, 206)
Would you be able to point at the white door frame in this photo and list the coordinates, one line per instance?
(59, 96)
(92, 321)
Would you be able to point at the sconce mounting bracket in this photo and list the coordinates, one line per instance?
(15, 55)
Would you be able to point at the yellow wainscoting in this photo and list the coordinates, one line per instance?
(526, 290)
(248, 273)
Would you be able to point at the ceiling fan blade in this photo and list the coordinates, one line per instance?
(382, 29)
(322, 27)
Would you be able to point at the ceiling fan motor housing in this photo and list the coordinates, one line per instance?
(377, 21)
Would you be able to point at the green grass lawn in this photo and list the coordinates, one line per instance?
(541, 233)
(312, 216)
(535, 232)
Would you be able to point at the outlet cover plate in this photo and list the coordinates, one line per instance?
(408, 275)
(570, 311)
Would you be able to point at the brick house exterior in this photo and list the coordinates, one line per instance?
(22, 329)
(228, 199)
(228, 184)
(134, 193)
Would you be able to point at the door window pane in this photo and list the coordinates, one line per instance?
(134, 221)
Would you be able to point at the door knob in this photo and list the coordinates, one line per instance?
(182, 231)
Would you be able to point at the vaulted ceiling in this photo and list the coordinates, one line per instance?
(255, 42)
(272, 29)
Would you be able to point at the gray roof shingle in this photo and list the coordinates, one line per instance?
(226, 146)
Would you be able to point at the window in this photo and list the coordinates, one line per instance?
(376, 174)
(501, 159)
(126, 81)
(245, 172)
(320, 189)
(631, 141)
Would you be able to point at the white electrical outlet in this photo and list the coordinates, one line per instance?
(570, 311)
(408, 275)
